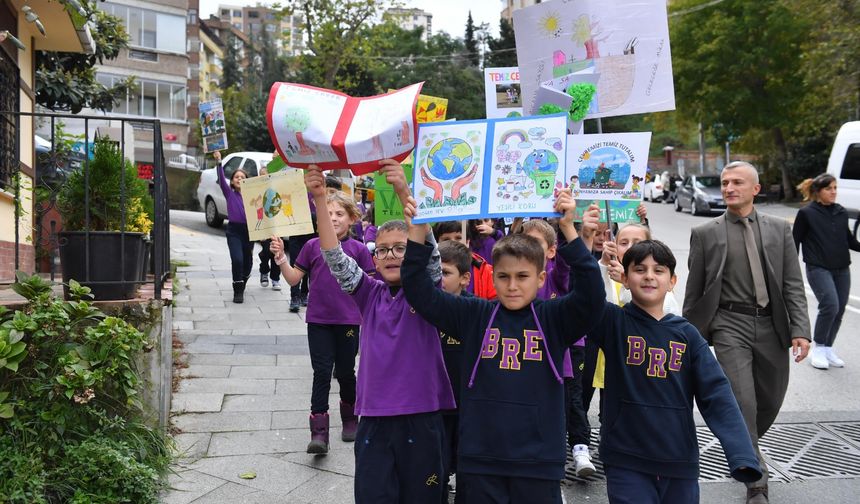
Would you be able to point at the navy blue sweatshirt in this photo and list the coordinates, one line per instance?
(654, 370)
(512, 415)
(823, 231)
(452, 354)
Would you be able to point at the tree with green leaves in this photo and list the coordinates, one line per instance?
(231, 73)
(67, 81)
(736, 64)
(471, 43)
(503, 50)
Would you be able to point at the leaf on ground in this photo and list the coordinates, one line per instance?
(248, 475)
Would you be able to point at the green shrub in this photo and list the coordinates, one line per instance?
(71, 423)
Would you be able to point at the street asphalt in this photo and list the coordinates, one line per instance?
(241, 409)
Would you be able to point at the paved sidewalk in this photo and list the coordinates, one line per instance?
(242, 406)
(243, 403)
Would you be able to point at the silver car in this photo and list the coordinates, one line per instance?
(700, 194)
(209, 192)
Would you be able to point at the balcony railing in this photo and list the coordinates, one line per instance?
(51, 169)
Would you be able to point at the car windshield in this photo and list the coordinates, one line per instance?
(705, 182)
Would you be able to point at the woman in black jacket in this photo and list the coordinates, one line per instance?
(822, 228)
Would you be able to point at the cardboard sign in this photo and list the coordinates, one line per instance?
(502, 93)
(213, 126)
(277, 204)
(386, 203)
(608, 166)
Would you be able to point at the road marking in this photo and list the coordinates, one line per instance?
(847, 306)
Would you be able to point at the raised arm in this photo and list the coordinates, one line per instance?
(583, 306)
(343, 268)
(219, 173)
(292, 275)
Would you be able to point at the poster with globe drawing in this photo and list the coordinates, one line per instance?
(623, 43)
(446, 180)
(277, 204)
(489, 168)
(528, 166)
(608, 166)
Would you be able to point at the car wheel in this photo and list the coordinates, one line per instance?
(856, 226)
(694, 210)
(677, 204)
(212, 217)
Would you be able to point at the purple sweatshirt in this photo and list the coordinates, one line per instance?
(327, 303)
(401, 371)
(235, 207)
(484, 245)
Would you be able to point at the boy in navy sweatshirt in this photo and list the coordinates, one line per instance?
(656, 364)
(512, 422)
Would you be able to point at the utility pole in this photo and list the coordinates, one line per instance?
(701, 148)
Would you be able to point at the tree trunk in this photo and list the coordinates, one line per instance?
(781, 159)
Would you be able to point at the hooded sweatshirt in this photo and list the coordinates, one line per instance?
(512, 401)
(654, 370)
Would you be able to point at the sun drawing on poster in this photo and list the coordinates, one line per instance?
(550, 25)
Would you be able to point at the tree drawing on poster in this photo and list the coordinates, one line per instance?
(623, 43)
(298, 119)
(446, 182)
(528, 168)
(608, 166)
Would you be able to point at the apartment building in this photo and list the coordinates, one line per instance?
(409, 19)
(253, 20)
(158, 56)
(512, 5)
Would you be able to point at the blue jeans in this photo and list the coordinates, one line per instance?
(831, 290)
(241, 251)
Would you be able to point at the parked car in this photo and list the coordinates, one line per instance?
(653, 190)
(844, 164)
(209, 193)
(183, 162)
(700, 194)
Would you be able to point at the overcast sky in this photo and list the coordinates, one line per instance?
(448, 15)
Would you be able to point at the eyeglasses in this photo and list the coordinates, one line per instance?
(398, 251)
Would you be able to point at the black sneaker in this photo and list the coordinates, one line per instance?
(294, 305)
(264, 279)
(304, 300)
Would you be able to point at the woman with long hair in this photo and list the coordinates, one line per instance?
(821, 228)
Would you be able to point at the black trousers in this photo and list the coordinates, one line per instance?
(241, 250)
(398, 459)
(487, 489)
(267, 260)
(576, 418)
(332, 347)
(591, 350)
(451, 421)
(295, 245)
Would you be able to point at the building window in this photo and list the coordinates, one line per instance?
(150, 29)
(253, 14)
(163, 100)
(9, 93)
(237, 13)
(225, 12)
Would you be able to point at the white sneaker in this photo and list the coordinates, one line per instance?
(833, 359)
(582, 462)
(819, 357)
(276, 285)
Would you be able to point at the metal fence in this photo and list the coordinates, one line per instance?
(56, 161)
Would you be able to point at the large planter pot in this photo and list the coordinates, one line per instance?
(107, 262)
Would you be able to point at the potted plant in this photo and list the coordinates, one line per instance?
(117, 252)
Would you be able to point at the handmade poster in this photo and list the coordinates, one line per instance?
(502, 92)
(310, 125)
(608, 166)
(624, 42)
(212, 125)
(489, 168)
(386, 203)
(620, 211)
(277, 204)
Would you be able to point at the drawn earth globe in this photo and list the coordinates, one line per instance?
(271, 203)
(449, 159)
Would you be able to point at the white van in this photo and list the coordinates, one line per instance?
(844, 164)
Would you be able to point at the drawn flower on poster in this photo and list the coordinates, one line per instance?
(448, 169)
(527, 163)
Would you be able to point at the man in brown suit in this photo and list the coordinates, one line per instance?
(745, 294)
